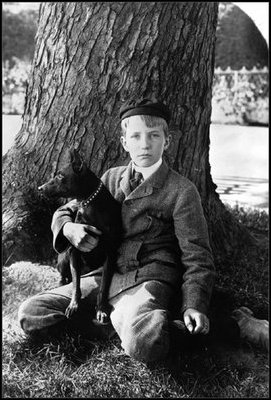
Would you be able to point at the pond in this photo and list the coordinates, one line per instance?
(238, 159)
(239, 164)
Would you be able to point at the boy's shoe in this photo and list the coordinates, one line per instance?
(253, 330)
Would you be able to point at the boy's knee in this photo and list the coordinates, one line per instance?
(37, 313)
(24, 312)
(147, 342)
(27, 315)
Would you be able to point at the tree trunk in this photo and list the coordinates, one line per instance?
(89, 58)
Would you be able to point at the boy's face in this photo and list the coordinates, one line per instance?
(145, 145)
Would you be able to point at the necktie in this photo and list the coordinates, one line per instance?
(136, 180)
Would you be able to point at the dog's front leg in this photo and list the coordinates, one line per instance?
(63, 266)
(103, 308)
(76, 291)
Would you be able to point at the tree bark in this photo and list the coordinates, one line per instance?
(89, 58)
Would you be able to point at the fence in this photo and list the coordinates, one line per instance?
(241, 96)
(237, 74)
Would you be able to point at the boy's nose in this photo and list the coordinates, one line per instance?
(145, 142)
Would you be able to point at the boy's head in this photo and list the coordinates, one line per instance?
(145, 132)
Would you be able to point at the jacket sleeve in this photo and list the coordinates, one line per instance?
(62, 215)
(197, 260)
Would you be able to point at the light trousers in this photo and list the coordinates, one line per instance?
(139, 315)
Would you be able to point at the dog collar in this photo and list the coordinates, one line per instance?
(94, 194)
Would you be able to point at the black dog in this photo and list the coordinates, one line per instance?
(97, 208)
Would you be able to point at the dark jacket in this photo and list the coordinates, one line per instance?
(165, 234)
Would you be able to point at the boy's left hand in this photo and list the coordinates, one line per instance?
(196, 322)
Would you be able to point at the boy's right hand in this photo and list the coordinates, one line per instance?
(79, 235)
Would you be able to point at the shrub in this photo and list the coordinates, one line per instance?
(14, 82)
(240, 96)
(251, 218)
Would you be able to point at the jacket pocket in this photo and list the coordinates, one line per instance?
(157, 224)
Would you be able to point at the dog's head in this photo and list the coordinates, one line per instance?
(69, 181)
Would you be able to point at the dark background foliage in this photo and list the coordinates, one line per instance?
(239, 41)
(18, 35)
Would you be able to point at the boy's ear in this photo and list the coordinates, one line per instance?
(123, 142)
(167, 142)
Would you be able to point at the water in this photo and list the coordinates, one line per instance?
(239, 164)
(11, 125)
(238, 159)
(247, 193)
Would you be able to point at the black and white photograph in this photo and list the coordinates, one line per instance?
(135, 199)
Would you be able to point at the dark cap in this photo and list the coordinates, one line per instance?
(145, 107)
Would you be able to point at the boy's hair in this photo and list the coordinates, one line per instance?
(150, 121)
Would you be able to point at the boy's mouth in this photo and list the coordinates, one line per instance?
(144, 155)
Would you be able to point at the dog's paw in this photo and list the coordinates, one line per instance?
(71, 309)
(102, 317)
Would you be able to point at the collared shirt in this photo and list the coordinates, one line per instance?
(147, 171)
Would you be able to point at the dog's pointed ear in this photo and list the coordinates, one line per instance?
(76, 160)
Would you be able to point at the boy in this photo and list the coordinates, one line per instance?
(165, 272)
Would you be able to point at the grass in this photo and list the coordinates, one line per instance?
(71, 366)
(254, 219)
(245, 271)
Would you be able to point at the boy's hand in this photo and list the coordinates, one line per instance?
(196, 322)
(79, 235)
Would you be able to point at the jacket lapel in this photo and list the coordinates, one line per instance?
(156, 180)
(125, 178)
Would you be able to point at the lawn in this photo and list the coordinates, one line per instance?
(71, 366)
